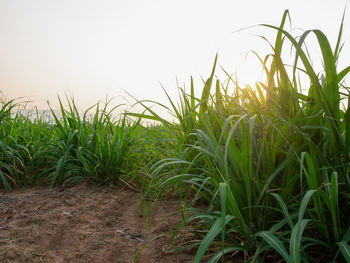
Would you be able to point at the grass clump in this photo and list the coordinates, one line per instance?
(270, 164)
(95, 145)
(67, 147)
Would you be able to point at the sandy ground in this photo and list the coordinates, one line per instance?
(84, 224)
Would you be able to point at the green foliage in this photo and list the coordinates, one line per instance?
(270, 164)
(68, 148)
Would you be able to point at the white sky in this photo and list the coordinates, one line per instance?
(92, 48)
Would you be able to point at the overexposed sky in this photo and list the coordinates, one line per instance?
(92, 48)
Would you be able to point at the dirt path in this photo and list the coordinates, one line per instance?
(84, 224)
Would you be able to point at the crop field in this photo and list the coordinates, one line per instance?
(260, 174)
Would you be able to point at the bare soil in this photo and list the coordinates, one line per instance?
(85, 224)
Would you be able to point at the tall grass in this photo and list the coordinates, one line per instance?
(71, 147)
(27, 145)
(270, 164)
